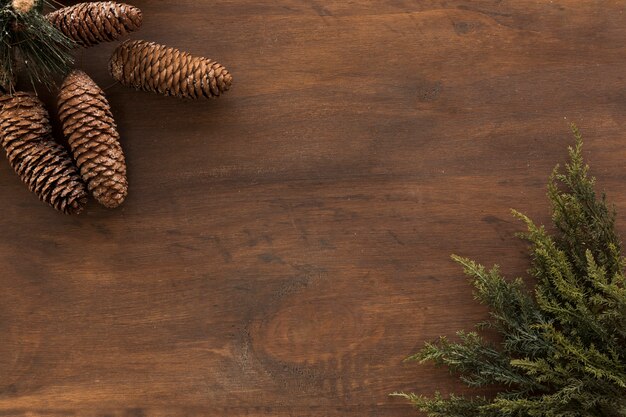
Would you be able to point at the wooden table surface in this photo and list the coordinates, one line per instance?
(283, 248)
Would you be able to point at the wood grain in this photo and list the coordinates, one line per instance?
(283, 248)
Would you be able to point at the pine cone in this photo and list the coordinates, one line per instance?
(152, 67)
(44, 165)
(89, 24)
(93, 138)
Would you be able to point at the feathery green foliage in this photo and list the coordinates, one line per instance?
(29, 38)
(563, 350)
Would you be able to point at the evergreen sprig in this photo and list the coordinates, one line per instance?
(27, 37)
(563, 348)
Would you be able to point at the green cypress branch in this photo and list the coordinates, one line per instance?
(563, 350)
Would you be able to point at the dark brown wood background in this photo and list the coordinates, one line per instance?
(284, 247)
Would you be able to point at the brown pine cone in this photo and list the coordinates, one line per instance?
(93, 138)
(152, 67)
(88, 24)
(42, 164)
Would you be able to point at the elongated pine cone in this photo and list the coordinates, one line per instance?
(152, 67)
(89, 24)
(93, 138)
(42, 164)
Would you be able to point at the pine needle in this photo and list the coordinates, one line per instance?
(28, 40)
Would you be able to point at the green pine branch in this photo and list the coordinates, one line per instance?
(563, 349)
(29, 41)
